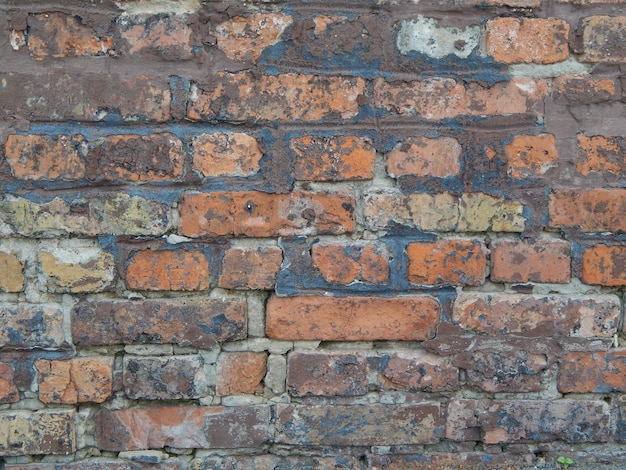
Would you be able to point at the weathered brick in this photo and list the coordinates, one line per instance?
(168, 270)
(358, 425)
(26, 326)
(12, 269)
(100, 464)
(592, 210)
(246, 97)
(345, 263)
(525, 261)
(251, 268)
(117, 214)
(604, 265)
(87, 97)
(153, 157)
(462, 420)
(163, 378)
(448, 262)
(78, 380)
(441, 98)
(245, 38)
(183, 427)
(9, 392)
(320, 373)
(584, 89)
(479, 212)
(271, 461)
(37, 433)
(536, 315)
(452, 460)
(422, 156)
(240, 372)
(601, 154)
(531, 155)
(199, 323)
(352, 318)
(528, 40)
(336, 158)
(603, 39)
(59, 35)
(415, 371)
(85, 270)
(593, 372)
(46, 157)
(167, 35)
(255, 214)
(226, 154)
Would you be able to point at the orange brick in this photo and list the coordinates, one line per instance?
(541, 261)
(332, 158)
(352, 318)
(12, 277)
(601, 154)
(593, 372)
(9, 392)
(529, 155)
(593, 210)
(422, 156)
(240, 372)
(584, 89)
(528, 40)
(604, 265)
(342, 263)
(255, 214)
(250, 268)
(78, 380)
(447, 262)
(36, 157)
(168, 270)
(603, 39)
(226, 154)
(248, 97)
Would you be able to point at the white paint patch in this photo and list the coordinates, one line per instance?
(424, 35)
(159, 6)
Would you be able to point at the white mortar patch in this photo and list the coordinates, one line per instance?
(424, 35)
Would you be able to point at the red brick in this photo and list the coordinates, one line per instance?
(58, 35)
(251, 268)
(441, 98)
(226, 154)
(57, 96)
(246, 97)
(37, 433)
(352, 318)
(592, 210)
(28, 326)
(240, 372)
(271, 462)
(422, 156)
(335, 158)
(528, 40)
(183, 427)
(168, 270)
(604, 265)
(522, 261)
(601, 154)
(603, 39)
(245, 38)
(357, 425)
(345, 263)
(447, 262)
(9, 392)
(531, 155)
(414, 371)
(188, 322)
(78, 380)
(321, 373)
(584, 89)
(46, 157)
(537, 316)
(166, 35)
(12, 268)
(593, 372)
(255, 214)
(154, 157)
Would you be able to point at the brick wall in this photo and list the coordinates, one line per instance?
(383, 234)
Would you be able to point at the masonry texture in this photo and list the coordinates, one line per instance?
(374, 234)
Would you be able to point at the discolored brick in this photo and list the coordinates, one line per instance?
(601, 154)
(452, 460)
(12, 279)
(9, 392)
(42, 432)
(240, 372)
(604, 265)
(449, 262)
(167, 35)
(272, 461)
(226, 154)
(255, 214)
(531, 155)
(27, 326)
(86, 270)
(603, 39)
(593, 372)
(414, 371)
(479, 212)
(351, 318)
(525, 261)
(422, 156)
(343, 263)
(251, 268)
(584, 89)
(591, 210)
(168, 270)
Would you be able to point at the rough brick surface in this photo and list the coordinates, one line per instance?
(531, 155)
(250, 268)
(168, 270)
(422, 156)
(594, 210)
(603, 39)
(36, 433)
(240, 372)
(605, 265)
(223, 154)
(12, 279)
(347, 263)
(31, 326)
(541, 261)
(601, 154)
(585, 372)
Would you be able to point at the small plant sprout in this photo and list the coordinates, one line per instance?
(564, 461)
